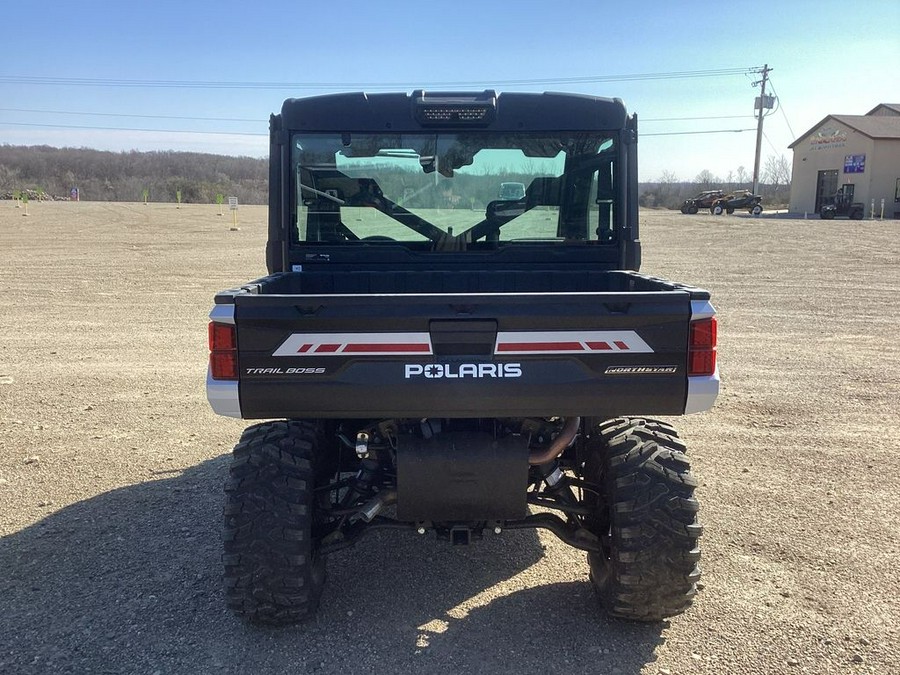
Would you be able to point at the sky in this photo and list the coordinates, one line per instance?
(204, 76)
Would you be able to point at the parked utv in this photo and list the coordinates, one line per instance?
(451, 366)
(843, 206)
(512, 191)
(737, 200)
(704, 200)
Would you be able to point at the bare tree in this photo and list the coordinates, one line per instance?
(9, 178)
(705, 179)
(668, 178)
(777, 172)
(741, 175)
(666, 190)
(784, 168)
(776, 180)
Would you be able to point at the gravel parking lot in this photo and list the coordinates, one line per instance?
(112, 466)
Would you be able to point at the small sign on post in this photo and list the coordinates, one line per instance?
(233, 205)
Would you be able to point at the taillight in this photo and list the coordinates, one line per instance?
(223, 363)
(221, 336)
(702, 347)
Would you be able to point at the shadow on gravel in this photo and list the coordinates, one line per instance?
(129, 582)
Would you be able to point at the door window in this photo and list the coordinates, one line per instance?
(826, 186)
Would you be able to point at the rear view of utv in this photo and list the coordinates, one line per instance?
(446, 363)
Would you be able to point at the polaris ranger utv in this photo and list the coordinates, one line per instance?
(444, 362)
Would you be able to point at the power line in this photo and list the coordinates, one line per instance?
(164, 131)
(239, 133)
(101, 82)
(259, 120)
(148, 117)
(781, 107)
(688, 119)
(688, 133)
(215, 84)
(774, 149)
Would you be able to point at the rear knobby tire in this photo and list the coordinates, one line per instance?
(273, 574)
(646, 519)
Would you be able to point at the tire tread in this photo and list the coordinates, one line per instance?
(652, 568)
(271, 572)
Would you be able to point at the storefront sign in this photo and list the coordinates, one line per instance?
(827, 138)
(855, 164)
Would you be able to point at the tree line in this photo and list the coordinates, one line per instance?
(199, 177)
(130, 176)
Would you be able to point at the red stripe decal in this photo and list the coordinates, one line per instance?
(621, 345)
(599, 346)
(304, 349)
(540, 347)
(327, 348)
(386, 348)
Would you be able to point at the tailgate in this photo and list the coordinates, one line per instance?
(467, 355)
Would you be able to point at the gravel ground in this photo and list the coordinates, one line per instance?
(112, 465)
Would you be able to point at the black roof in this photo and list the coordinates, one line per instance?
(396, 112)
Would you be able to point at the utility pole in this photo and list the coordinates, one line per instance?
(759, 125)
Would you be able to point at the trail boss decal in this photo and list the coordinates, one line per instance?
(285, 371)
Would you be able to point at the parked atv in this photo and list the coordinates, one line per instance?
(702, 201)
(737, 200)
(842, 205)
